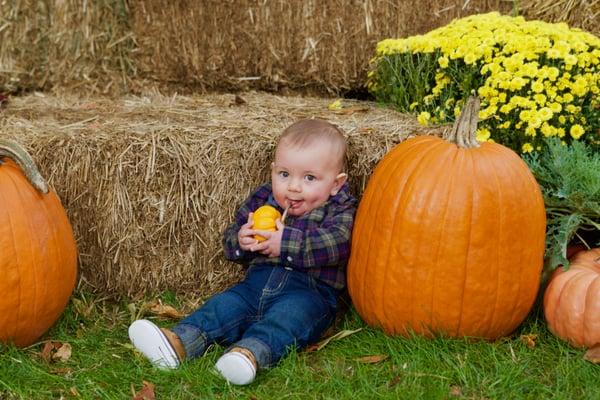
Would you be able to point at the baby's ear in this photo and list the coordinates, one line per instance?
(340, 179)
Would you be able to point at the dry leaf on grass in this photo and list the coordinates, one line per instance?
(56, 351)
(166, 311)
(147, 392)
(325, 342)
(372, 359)
(455, 391)
(593, 355)
(529, 340)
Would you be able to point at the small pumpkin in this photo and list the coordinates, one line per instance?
(572, 300)
(264, 219)
(448, 237)
(38, 256)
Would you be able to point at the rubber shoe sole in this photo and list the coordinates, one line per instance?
(153, 344)
(236, 368)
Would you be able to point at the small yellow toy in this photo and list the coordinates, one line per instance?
(264, 219)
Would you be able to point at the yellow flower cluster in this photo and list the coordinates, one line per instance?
(535, 79)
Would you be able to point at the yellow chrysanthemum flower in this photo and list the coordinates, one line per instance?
(576, 131)
(527, 148)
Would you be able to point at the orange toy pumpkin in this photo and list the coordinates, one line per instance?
(448, 237)
(572, 300)
(38, 257)
(264, 219)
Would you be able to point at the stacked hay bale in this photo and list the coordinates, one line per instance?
(118, 46)
(66, 44)
(150, 182)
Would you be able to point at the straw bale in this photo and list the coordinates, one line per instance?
(150, 182)
(315, 45)
(65, 43)
(583, 14)
(117, 46)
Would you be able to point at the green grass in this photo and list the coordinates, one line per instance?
(103, 365)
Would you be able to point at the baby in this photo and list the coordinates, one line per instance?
(289, 294)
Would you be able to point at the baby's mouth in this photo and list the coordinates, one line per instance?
(294, 203)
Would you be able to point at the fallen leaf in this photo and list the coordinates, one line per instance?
(66, 372)
(336, 105)
(337, 336)
(372, 359)
(395, 380)
(49, 349)
(63, 353)
(455, 391)
(529, 340)
(147, 392)
(593, 355)
(166, 311)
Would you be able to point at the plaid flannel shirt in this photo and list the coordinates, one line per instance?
(317, 243)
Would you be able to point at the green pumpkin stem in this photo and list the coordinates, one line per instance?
(464, 130)
(20, 156)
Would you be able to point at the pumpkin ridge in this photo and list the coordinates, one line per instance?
(432, 150)
(489, 170)
(468, 157)
(365, 226)
(421, 146)
(520, 169)
(50, 214)
(563, 324)
(34, 264)
(16, 253)
(452, 154)
(501, 239)
(591, 325)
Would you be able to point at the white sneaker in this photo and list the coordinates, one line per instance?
(236, 368)
(152, 343)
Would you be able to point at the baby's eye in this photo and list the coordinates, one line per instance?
(284, 174)
(310, 178)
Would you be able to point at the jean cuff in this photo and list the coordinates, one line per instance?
(261, 351)
(194, 340)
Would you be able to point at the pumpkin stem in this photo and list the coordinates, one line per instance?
(464, 130)
(19, 155)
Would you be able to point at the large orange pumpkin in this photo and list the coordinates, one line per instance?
(448, 237)
(572, 300)
(38, 257)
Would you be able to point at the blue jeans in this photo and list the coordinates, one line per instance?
(271, 311)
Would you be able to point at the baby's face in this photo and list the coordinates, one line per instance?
(305, 177)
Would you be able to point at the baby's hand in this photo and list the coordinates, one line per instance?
(246, 235)
(271, 247)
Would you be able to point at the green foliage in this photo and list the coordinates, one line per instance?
(569, 177)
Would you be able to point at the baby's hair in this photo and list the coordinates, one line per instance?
(307, 131)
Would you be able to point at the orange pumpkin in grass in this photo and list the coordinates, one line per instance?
(264, 219)
(572, 300)
(38, 256)
(448, 237)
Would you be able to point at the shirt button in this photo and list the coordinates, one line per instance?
(289, 258)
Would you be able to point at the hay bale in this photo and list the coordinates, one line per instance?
(118, 46)
(150, 182)
(67, 44)
(320, 46)
(583, 14)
